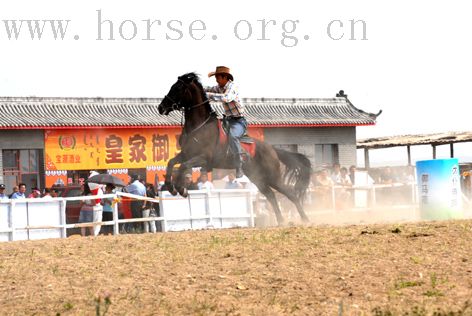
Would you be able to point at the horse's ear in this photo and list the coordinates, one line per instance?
(188, 78)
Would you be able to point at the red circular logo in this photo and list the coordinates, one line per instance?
(67, 142)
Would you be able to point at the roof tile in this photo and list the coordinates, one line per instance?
(38, 112)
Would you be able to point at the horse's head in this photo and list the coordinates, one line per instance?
(180, 94)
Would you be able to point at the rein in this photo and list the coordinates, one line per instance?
(200, 126)
(177, 106)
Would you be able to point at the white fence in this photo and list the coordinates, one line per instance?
(365, 196)
(207, 209)
(29, 219)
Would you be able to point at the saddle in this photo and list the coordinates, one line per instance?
(247, 143)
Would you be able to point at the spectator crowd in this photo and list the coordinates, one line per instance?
(329, 187)
(335, 186)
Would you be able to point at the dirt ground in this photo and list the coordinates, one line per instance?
(388, 269)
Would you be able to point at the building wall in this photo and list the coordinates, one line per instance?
(307, 138)
(19, 139)
(304, 139)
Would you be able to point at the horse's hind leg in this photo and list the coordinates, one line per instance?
(269, 194)
(288, 192)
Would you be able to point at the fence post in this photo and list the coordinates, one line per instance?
(27, 221)
(161, 212)
(333, 197)
(116, 225)
(374, 198)
(63, 218)
(10, 220)
(207, 207)
(221, 209)
(251, 211)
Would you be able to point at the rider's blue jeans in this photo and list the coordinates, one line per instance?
(237, 128)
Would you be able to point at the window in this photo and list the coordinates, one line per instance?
(326, 154)
(23, 165)
(10, 159)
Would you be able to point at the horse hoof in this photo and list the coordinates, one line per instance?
(173, 192)
(184, 192)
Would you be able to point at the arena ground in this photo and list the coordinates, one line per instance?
(367, 269)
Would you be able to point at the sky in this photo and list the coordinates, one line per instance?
(410, 59)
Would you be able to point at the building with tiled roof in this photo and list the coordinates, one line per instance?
(58, 140)
(34, 112)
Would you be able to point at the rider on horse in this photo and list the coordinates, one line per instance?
(227, 93)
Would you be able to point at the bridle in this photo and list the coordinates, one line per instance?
(177, 106)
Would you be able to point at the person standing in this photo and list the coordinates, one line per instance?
(86, 210)
(204, 183)
(137, 188)
(149, 209)
(21, 192)
(232, 183)
(352, 174)
(15, 189)
(47, 194)
(227, 93)
(189, 184)
(3, 196)
(336, 174)
(107, 204)
(96, 189)
(35, 193)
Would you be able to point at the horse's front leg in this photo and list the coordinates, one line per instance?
(197, 161)
(170, 167)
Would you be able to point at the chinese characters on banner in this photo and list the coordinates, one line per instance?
(110, 149)
(439, 189)
(455, 186)
(424, 188)
(114, 148)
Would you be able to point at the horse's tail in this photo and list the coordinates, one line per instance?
(297, 171)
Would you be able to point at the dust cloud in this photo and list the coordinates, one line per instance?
(393, 205)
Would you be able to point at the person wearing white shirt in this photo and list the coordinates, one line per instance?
(204, 183)
(232, 183)
(47, 194)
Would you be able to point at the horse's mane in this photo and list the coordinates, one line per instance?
(195, 78)
(190, 77)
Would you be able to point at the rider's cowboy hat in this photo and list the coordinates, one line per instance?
(222, 70)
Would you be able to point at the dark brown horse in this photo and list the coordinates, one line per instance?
(270, 168)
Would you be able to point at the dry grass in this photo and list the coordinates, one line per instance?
(417, 269)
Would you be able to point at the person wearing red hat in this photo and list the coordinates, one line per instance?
(227, 93)
(35, 193)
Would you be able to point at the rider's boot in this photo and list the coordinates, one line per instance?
(239, 172)
(239, 167)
